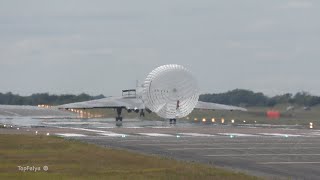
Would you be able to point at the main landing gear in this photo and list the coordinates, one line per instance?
(142, 113)
(119, 111)
(173, 121)
(119, 118)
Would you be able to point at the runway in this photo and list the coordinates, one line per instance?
(296, 158)
(274, 155)
(266, 152)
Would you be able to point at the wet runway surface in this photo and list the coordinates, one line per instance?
(297, 158)
(268, 152)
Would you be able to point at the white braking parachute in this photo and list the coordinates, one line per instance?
(171, 91)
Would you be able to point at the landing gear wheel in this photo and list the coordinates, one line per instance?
(118, 118)
(142, 113)
(173, 121)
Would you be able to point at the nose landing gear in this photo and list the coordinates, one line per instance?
(173, 121)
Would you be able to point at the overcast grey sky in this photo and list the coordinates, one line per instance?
(100, 46)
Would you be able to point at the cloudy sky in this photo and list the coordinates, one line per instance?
(101, 46)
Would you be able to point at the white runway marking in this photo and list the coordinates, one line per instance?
(313, 134)
(105, 127)
(238, 134)
(281, 163)
(196, 134)
(71, 123)
(70, 135)
(12, 113)
(83, 129)
(235, 155)
(160, 127)
(134, 127)
(113, 134)
(156, 134)
(104, 133)
(281, 135)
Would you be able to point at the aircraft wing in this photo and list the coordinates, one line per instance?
(110, 102)
(131, 103)
(214, 106)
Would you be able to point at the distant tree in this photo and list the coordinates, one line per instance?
(44, 98)
(306, 99)
(237, 97)
(249, 98)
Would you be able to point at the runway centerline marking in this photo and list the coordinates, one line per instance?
(104, 133)
(156, 134)
(160, 127)
(83, 129)
(113, 134)
(238, 134)
(235, 155)
(70, 135)
(281, 135)
(196, 134)
(107, 127)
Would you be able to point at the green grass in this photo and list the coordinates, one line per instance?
(69, 159)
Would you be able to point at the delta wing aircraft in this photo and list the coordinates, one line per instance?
(170, 91)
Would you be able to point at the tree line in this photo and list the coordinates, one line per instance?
(241, 97)
(44, 98)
